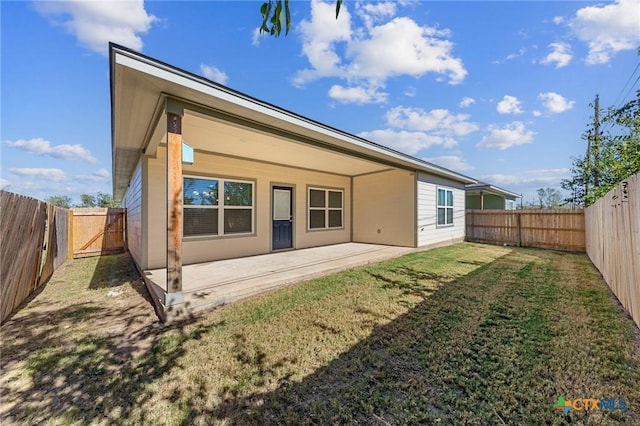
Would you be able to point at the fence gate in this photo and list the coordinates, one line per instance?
(96, 231)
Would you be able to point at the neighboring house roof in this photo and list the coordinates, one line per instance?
(486, 187)
(140, 86)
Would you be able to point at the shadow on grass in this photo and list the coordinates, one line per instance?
(87, 362)
(455, 358)
(412, 282)
(385, 378)
(92, 377)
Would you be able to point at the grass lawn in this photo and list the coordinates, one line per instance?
(466, 334)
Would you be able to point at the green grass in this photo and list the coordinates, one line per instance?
(469, 334)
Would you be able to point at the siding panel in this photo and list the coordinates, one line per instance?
(428, 231)
(133, 203)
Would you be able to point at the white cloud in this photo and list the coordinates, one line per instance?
(407, 142)
(403, 47)
(511, 56)
(555, 103)
(214, 73)
(4, 183)
(41, 146)
(437, 121)
(417, 129)
(96, 23)
(608, 29)
(467, 102)
(101, 175)
(537, 177)
(560, 55)
(509, 105)
(536, 113)
(410, 91)
(376, 52)
(256, 36)
(55, 175)
(452, 162)
(358, 95)
(558, 20)
(319, 37)
(506, 137)
(375, 12)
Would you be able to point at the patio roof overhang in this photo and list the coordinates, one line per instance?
(475, 189)
(143, 88)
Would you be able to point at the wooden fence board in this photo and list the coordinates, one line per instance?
(97, 231)
(22, 226)
(56, 241)
(613, 242)
(37, 238)
(551, 229)
(62, 237)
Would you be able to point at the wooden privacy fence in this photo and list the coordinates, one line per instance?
(550, 229)
(96, 231)
(613, 242)
(33, 238)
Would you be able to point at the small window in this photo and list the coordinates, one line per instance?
(325, 208)
(445, 206)
(217, 207)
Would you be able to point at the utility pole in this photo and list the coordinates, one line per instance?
(596, 143)
(592, 166)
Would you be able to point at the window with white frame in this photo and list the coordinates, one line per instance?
(445, 206)
(325, 208)
(217, 206)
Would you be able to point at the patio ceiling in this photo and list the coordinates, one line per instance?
(207, 134)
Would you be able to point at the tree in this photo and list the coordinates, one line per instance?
(276, 16)
(613, 157)
(101, 199)
(549, 198)
(87, 200)
(59, 200)
(105, 200)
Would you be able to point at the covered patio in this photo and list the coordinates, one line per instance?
(211, 284)
(227, 196)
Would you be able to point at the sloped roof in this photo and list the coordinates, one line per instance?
(141, 84)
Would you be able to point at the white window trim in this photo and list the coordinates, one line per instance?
(221, 207)
(445, 207)
(326, 208)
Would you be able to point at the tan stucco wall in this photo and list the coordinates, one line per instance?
(384, 208)
(265, 175)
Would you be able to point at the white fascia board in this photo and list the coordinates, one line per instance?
(503, 191)
(175, 76)
(492, 189)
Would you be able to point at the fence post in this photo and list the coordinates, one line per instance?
(519, 225)
(70, 243)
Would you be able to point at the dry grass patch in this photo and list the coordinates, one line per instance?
(464, 334)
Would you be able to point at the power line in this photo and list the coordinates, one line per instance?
(625, 85)
(609, 124)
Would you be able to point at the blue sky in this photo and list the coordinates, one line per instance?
(496, 90)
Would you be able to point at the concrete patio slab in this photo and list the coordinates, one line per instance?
(211, 284)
